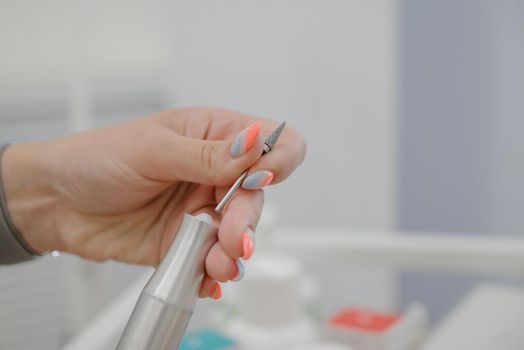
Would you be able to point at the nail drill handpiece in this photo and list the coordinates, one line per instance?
(269, 143)
(165, 306)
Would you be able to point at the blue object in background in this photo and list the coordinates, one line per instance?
(206, 340)
(460, 143)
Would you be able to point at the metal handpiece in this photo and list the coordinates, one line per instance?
(166, 304)
(269, 143)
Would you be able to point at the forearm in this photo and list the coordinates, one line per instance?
(29, 193)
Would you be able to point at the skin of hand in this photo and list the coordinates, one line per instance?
(121, 192)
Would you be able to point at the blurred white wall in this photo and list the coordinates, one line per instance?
(327, 67)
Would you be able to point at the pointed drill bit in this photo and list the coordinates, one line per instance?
(272, 138)
(269, 143)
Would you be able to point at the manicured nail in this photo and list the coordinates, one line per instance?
(241, 271)
(258, 179)
(245, 140)
(248, 243)
(205, 217)
(217, 294)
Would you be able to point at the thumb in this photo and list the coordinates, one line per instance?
(217, 163)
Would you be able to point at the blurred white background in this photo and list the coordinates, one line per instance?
(412, 111)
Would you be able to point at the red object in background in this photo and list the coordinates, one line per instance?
(363, 320)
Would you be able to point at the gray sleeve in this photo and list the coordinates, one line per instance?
(13, 248)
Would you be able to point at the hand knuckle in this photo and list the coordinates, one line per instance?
(208, 159)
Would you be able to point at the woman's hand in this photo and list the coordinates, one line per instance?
(121, 192)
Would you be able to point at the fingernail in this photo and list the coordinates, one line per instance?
(241, 271)
(248, 243)
(245, 140)
(205, 217)
(258, 179)
(217, 294)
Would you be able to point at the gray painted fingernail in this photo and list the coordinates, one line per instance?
(245, 140)
(241, 271)
(258, 179)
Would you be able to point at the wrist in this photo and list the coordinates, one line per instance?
(30, 194)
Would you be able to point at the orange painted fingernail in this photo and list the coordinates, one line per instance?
(245, 140)
(217, 294)
(248, 243)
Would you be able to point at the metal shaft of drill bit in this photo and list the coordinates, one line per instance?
(269, 143)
